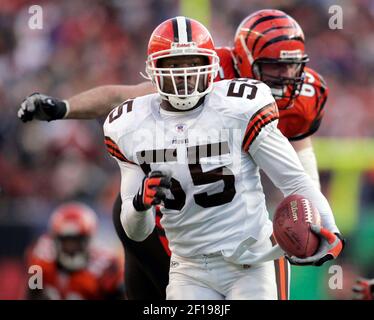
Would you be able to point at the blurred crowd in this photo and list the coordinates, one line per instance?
(87, 43)
(82, 44)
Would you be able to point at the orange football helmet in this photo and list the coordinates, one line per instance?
(269, 46)
(71, 226)
(175, 37)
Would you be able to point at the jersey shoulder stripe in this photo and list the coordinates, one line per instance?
(114, 150)
(127, 116)
(122, 122)
(260, 119)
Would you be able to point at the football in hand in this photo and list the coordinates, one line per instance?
(291, 225)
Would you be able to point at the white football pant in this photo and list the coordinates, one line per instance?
(210, 277)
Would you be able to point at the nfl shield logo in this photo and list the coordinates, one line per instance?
(180, 127)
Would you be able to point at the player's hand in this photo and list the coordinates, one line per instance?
(363, 289)
(330, 247)
(42, 107)
(152, 190)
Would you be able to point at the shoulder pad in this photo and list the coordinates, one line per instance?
(241, 97)
(123, 120)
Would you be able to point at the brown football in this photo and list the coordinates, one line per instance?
(291, 224)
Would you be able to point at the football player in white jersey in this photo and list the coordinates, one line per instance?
(195, 149)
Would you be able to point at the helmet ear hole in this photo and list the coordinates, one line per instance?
(206, 60)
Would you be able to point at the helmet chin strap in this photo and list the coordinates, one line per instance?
(183, 104)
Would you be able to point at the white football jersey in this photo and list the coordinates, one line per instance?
(216, 201)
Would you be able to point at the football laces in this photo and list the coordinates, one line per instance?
(307, 210)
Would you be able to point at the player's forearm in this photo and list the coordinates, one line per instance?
(137, 225)
(279, 161)
(99, 101)
(309, 163)
(305, 152)
(96, 102)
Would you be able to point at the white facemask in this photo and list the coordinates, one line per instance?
(182, 99)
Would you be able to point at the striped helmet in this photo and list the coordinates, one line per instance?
(274, 39)
(71, 226)
(181, 36)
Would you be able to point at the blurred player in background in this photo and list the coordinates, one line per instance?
(363, 289)
(72, 267)
(269, 46)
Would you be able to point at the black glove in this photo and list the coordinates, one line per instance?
(363, 289)
(152, 191)
(332, 244)
(42, 107)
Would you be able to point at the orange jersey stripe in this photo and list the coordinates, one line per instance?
(114, 153)
(282, 279)
(114, 150)
(165, 244)
(281, 274)
(110, 142)
(263, 113)
(259, 120)
(161, 232)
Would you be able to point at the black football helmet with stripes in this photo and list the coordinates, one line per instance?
(176, 37)
(269, 46)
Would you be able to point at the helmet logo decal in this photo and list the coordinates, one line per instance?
(291, 54)
(183, 45)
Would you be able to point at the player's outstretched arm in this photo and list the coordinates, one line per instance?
(90, 104)
(99, 101)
